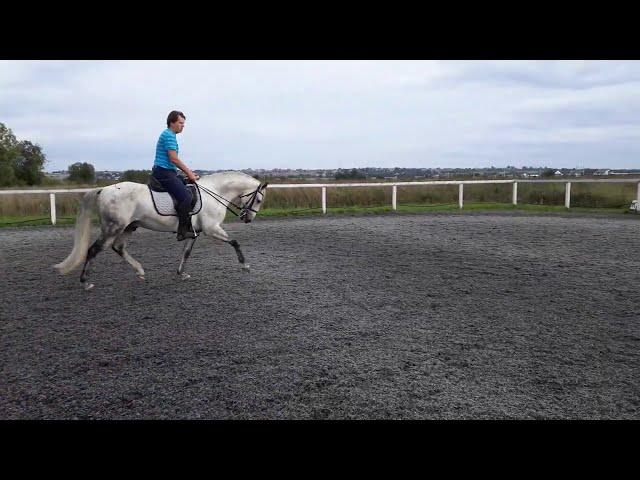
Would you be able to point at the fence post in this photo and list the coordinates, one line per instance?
(460, 194)
(52, 201)
(324, 200)
(567, 195)
(638, 193)
(515, 193)
(394, 196)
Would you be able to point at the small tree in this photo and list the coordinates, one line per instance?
(354, 173)
(8, 140)
(8, 154)
(7, 176)
(20, 162)
(82, 173)
(29, 163)
(138, 176)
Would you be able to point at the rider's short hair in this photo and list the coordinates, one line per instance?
(173, 116)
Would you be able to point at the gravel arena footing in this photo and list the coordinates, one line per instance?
(398, 316)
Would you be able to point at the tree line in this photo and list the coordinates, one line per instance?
(22, 163)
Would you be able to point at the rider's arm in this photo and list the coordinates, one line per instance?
(173, 158)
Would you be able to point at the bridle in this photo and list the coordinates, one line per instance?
(245, 208)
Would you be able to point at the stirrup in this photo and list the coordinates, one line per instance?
(188, 234)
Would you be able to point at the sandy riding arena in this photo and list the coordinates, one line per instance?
(430, 316)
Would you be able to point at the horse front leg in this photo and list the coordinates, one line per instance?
(186, 251)
(220, 234)
(236, 246)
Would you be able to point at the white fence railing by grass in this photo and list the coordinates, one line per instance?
(461, 183)
(393, 185)
(52, 196)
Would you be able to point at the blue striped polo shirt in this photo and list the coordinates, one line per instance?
(167, 141)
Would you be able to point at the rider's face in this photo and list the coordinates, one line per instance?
(178, 125)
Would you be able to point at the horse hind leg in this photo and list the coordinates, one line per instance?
(105, 240)
(119, 245)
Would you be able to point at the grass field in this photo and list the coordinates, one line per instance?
(548, 197)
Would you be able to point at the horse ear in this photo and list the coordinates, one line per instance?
(264, 185)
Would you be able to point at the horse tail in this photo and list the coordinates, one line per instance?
(82, 234)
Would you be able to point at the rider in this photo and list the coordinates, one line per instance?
(164, 170)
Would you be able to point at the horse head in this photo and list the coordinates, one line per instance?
(252, 202)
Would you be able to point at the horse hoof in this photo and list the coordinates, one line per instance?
(140, 277)
(185, 276)
(246, 268)
(89, 286)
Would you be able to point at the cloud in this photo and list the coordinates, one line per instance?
(328, 114)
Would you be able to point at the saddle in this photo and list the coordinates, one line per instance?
(165, 204)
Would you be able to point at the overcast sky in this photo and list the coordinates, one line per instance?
(329, 114)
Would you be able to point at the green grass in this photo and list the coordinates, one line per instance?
(33, 220)
(508, 206)
(449, 207)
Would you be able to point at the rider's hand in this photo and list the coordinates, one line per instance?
(193, 177)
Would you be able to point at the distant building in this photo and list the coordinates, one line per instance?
(59, 175)
(108, 175)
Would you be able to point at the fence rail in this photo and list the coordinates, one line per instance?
(393, 185)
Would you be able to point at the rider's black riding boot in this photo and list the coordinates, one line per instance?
(185, 230)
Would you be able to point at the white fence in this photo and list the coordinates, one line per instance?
(393, 185)
(461, 183)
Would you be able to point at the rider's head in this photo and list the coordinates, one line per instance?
(175, 121)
